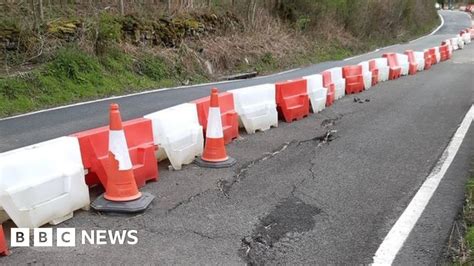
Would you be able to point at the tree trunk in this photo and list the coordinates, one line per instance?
(33, 10)
(122, 10)
(41, 11)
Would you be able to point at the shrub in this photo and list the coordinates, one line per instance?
(109, 31)
(73, 64)
(109, 28)
(151, 67)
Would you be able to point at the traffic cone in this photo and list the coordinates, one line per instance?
(3, 243)
(215, 155)
(121, 191)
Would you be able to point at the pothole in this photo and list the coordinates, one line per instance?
(284, 224)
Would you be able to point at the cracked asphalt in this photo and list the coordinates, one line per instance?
(325, 189)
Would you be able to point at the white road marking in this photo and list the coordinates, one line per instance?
(374, 51)
(435, 31)
(182, 87)
(412, 41)
(395, 239)
(116, 97)
(142, 93)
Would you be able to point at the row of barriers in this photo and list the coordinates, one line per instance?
(46, 182)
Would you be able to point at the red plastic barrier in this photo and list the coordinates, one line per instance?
(427, 60)
(450, 51)
(3, 243)
(328, 84)
(292, 99)
(354, 79)
(395, 69)
(375, 72)
(434, 60)
(444, 51)
(469, 8)
(412, 62)
(230, 118)
(94, 151)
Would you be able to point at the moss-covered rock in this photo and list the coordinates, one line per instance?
(171, 32)
(65, 29)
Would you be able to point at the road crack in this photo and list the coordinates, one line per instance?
(331, 121)
(186, 201)
(321, 139)
(201, 234)
(226, 185)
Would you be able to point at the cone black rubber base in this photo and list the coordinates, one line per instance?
(133, 206)
(224, 164)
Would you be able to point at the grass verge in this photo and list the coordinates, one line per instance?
(75, 76)
(461, 242)
(110, 67)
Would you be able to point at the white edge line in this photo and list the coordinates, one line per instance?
(114, 97)
(357, 56)
(412, 41)
(432, 33)
(140, 93)
(374, 51)
(188, 86)
(397, 236)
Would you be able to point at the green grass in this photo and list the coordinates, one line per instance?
(461, 249)
(75, 76)
(469, 213)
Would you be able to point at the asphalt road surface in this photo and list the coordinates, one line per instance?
(326, 189)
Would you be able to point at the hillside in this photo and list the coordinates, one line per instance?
(55, 54)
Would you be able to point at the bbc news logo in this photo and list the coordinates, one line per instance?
(66, 237)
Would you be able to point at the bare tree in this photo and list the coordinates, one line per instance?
(33, 9)
(122, 10)
(41, 11)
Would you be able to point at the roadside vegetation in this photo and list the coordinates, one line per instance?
(60, 52)
(461, 242)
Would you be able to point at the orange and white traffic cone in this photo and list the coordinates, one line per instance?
(3, 243)
(121, 191)
(215, 155)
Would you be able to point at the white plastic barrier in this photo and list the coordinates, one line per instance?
(382, 66)
(366, 74)
(339, 82)
(177, 132)
(454, 43)
(437, 54)
(43, 183)
(420, 60)
(317, 93)
(256, 107)
(466, 38)
(450, 47)
(460, 42)
(403, 62)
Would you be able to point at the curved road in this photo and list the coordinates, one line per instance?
(22, 131)
(292, 198)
